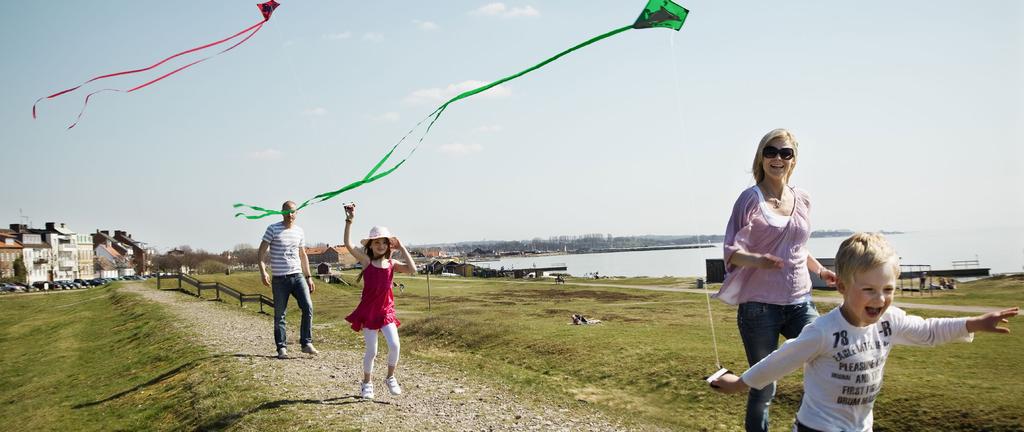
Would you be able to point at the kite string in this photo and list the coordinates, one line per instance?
(686, 161)
(711, 321)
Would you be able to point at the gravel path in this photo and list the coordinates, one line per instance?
(325, 387)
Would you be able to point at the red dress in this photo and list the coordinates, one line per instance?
(377, 307)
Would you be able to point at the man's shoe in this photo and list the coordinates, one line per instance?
(366, 391)
(308, 349)
(282, 353)
(393, 386)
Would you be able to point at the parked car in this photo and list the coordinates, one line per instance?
(41, 285)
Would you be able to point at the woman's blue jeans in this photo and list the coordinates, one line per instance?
(760, 326)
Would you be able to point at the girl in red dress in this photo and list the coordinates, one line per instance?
(376, 310)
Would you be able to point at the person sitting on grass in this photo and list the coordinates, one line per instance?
(844, 351)
(579, 319)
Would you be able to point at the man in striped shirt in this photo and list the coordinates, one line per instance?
(290, 266)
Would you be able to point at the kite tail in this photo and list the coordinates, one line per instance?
(127, 72)
(433, 117)
(370, 177)
(484, 88)
(255, 28)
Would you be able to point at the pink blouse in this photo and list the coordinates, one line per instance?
(748, 230)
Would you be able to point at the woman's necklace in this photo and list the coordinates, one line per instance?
(775, 202)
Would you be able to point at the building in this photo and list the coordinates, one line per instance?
(433, 252)
(140, 255)
(37, 254)
(331, 255)
(86, 257)
(105, 268)
(64, 248)
(109, 252)
(10, 250)
(450, 266)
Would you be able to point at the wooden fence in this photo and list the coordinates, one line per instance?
(217, 287)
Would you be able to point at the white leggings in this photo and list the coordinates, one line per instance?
(391, 336)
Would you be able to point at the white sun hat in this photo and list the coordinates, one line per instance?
(378, 232)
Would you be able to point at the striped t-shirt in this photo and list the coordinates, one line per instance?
(284, 248)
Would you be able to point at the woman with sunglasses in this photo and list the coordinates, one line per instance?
(767, 263)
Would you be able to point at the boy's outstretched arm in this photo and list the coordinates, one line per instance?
(990, 322)
(729, 383)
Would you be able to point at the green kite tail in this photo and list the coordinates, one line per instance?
(657, 13)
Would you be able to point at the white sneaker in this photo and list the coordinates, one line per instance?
(308, 349)
(393, 386)
(282, 353)
(366, 391)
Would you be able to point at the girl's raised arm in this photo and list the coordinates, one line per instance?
(350, 213)
(407, 265)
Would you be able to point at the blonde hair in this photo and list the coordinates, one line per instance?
(862, 252)
(783, 135)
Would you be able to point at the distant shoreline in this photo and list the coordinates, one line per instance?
(596, 251)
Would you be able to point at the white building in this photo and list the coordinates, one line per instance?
(86, 257)
(111, 262)
(64, 250)
(38, 257)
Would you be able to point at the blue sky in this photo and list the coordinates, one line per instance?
(910, 116)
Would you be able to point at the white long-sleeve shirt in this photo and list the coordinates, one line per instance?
(843, 363)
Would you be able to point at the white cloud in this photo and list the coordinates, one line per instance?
(491, 9)
(527, 11)
(425, 25)
(460, 149)
(338, 36)
(437, 94)
(373, 37)
(389, 117)
(488, 129)
(265, 155)
(500, 10)
(315, 112)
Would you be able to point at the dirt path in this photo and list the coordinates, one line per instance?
(817, 298)
(325, 386)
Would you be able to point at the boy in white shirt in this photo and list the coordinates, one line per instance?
(844, 351)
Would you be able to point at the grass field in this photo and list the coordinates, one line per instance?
(100, 360)
(644, 364)
(995, 291)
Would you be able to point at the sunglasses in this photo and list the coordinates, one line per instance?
(770, 152)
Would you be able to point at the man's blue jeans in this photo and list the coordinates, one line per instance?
(760, 326)
(285, 286)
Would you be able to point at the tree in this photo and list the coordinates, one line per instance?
(166, 263)
(20, 272)
(246, 255)
(209, 266)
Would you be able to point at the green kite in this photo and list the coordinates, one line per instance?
(657, 13)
